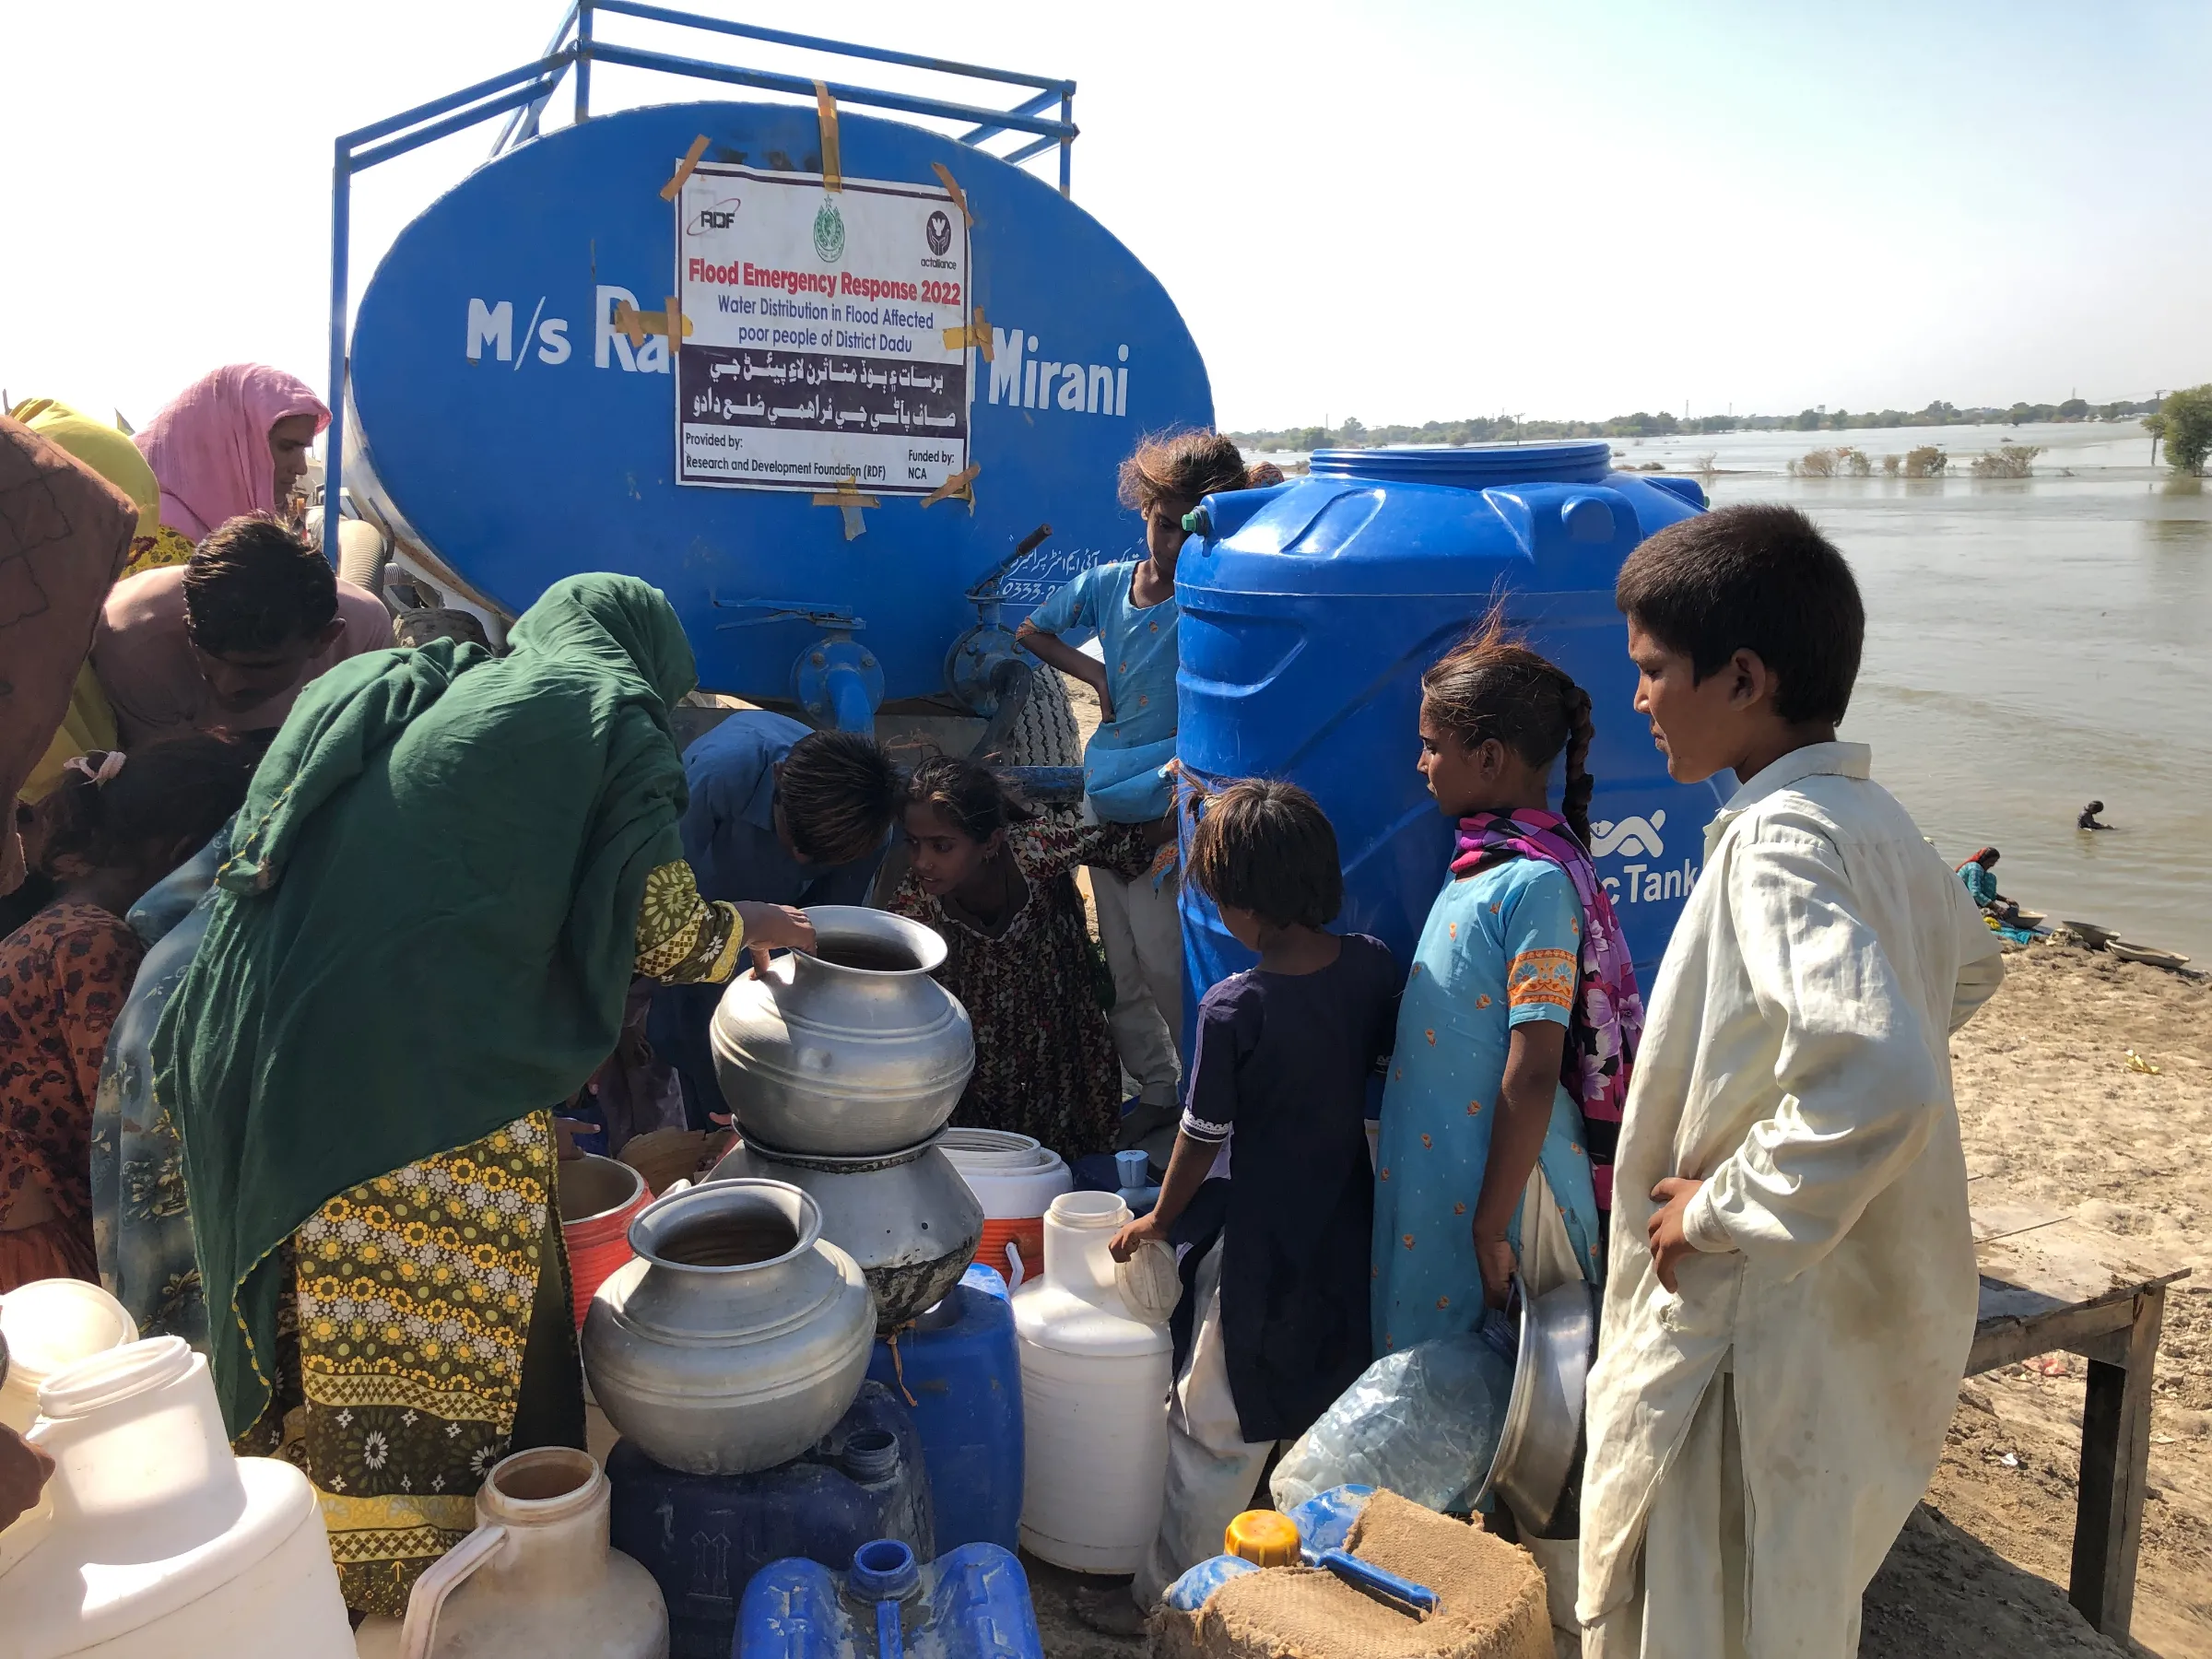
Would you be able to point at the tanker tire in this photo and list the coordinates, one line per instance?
(1046, 735)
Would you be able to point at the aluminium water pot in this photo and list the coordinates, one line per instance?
(906, 1217)
(1539, 1447)
(852, 1049)
(736, 1338)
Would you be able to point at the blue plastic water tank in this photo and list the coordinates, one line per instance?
(1310, 610)
(704, 1536)
(971, 1602)
(960, 1367)
(506, 424)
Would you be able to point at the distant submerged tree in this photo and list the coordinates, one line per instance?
(2185, 420)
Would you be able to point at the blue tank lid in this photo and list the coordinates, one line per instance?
(1473, 467)
(1545, 518)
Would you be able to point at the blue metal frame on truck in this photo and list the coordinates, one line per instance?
(522, 94)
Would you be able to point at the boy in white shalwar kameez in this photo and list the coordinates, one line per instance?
(1791, 1286)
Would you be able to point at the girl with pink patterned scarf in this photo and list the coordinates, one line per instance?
(1519, 1024)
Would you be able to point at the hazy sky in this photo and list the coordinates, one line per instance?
(1399, 211)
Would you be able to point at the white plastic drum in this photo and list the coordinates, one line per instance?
(1094, 1388)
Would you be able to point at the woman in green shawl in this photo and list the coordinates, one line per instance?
(446, 873)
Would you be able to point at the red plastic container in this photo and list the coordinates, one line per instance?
(599, 1199)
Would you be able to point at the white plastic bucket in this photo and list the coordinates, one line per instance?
(1014, 1180)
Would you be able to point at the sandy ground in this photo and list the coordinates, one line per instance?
(2051, 1114)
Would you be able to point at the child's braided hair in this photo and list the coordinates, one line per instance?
(1491, 685)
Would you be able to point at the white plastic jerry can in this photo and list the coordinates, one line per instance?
(155, 1542)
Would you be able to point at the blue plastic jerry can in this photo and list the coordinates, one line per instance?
(972, 1603)
(959, 1370)
(704, 1536)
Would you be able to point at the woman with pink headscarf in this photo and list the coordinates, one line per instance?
(269, 614)
(231, 443)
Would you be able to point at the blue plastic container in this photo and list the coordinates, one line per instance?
(972, 1603)
(1324, 1522)
(960, 1366)
(1311, 609)
(506, 424)
(704, 1536)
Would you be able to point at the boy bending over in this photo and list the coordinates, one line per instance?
(1793, 1287)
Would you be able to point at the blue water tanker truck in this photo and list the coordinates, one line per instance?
(851, 392)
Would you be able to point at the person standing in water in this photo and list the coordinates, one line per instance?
(2089, 819)
(1130, 607)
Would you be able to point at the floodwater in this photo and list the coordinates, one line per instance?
(2031, 644)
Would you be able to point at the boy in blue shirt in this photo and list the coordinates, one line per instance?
(780, 814)
(1129, 606)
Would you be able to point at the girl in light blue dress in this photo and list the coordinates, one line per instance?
(1520, 1012)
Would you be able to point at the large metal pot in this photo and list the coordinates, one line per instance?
(850, 1050)
(906, 1217)
(737, 1336)
(1540, 1446)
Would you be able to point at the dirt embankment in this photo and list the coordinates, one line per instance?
(2054, 1113)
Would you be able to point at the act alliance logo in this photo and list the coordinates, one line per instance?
(939, 231)
(1629, 837)
(828, 233)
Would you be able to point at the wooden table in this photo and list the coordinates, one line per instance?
(2050, 1283)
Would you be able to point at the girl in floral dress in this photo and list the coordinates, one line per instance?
(997, 887)
(106, 833)
(1520, 1017)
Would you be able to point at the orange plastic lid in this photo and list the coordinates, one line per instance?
(1263, 1538)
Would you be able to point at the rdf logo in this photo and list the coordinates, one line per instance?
(719, 216)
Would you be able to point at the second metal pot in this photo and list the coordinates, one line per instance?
(906, 1217)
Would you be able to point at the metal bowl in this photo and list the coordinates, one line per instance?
(1542, 1439)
